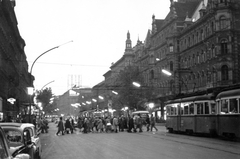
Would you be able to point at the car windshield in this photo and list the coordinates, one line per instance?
(3, 151)
(14, 137)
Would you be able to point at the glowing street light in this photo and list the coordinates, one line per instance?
(166, 72)
(94, 100)
(136, 84)
(114, 92)
(101, 97)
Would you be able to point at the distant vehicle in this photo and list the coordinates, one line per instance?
(23, 136)
(142, 113)
(6, 152)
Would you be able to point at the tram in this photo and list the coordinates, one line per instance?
(215, 115)
(228, 121)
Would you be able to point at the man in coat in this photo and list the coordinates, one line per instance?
(130, 124)
(60, 127)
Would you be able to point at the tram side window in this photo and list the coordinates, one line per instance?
(213, 108)
(233, 106)
(206, 108)
(174, 111)
(168, 110)
(224, 106)
(199, 108)
(191, 108)
(186, 109)
(180, 110)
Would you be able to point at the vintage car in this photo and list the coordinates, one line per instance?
(22, 136)
(5, 149)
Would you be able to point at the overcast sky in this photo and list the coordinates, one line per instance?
(98, 29)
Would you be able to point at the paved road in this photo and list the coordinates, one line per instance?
(146, 145)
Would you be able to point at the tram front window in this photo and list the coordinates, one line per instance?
(233, 106)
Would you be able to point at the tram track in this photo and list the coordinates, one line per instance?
(224, 146)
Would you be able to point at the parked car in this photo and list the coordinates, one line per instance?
(35, 139)
(23, 136)
(5, 150)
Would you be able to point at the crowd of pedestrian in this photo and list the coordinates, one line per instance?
(106, 124)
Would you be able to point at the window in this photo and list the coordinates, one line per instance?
(151, 74)
(186, 109)
(224, 106)
(191, 108)
(224, 49)
(170, 48)
(14, 136)
(213, 108)
(224, 72)
(171, 66)
(206, 106)
(199, 108)
(233, 105)
(222, 23)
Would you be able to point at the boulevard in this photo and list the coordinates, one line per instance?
(145, 145)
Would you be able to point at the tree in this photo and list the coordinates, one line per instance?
(44, 97)
(128, 94)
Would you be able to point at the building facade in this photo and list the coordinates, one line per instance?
(197, 42)
(14, 76)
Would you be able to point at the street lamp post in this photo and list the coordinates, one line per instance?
(47, 84)
(30, 93)
(31, 81)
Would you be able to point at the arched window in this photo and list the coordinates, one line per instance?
(151, 74)
(212, 27)
(224, 72)
(222, 23)
(224, 49)
(213, 50)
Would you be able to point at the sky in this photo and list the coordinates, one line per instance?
(98, 29)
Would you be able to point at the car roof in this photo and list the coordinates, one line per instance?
(16, 125)
(140, 112)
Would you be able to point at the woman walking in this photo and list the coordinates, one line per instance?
(60, 126)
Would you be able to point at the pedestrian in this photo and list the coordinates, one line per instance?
(130, 124)
(121, 123)
(108, 125)
(153, 123)
(68, 126)
(60, 126)
(138, 123)
(115, 124)
(42, 125)
(148, 122)
(72, 124)
(100, 126)
(34, 122)
(85, 125)
(80, 123)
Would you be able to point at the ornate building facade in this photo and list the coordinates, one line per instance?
(14, 76)
(198, 43)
